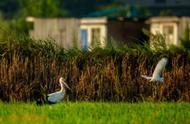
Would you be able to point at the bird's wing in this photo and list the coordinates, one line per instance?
(159, 68)
(146, 77)
(55, 97)
(51, 94)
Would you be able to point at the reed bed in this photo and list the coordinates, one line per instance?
(30, 69)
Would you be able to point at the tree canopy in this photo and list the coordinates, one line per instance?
(49, 8)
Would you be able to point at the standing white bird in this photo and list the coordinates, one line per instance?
(158, 71)
(59, 95)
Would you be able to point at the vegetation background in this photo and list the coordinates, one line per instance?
(30, 69)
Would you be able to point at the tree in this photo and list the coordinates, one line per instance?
(81, 8)
(41, 8)
(9, 8)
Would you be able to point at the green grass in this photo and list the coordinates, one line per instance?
(96, 113)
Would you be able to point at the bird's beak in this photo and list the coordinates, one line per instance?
(67, 86)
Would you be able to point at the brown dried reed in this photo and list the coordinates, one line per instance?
(93, 76)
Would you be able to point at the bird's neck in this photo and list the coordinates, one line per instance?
(62, 87)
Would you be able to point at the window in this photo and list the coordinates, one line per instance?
(95, 36)
(84, 39)
(160, 1)
(168, 31)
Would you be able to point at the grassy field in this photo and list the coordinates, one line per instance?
(95, 113)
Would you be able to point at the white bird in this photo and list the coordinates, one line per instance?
(59, 95)
(158, 71)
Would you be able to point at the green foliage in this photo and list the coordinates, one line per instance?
(17, 11)
(156, 41)
(4, 29)
(185, 40)
(42, 8)
(96, 112)
(49, 8)
(166, 13)
(9, 8)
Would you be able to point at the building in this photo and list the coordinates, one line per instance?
(171, 27)
(63, 31)
(87, 33)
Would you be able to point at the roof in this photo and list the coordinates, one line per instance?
(159, 19)
(101, 20)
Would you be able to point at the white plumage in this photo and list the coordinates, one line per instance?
(55, 97)
(59, 95)
(158, 71)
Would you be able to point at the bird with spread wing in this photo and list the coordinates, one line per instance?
(157, 74)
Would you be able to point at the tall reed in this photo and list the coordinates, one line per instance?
(30, 69)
